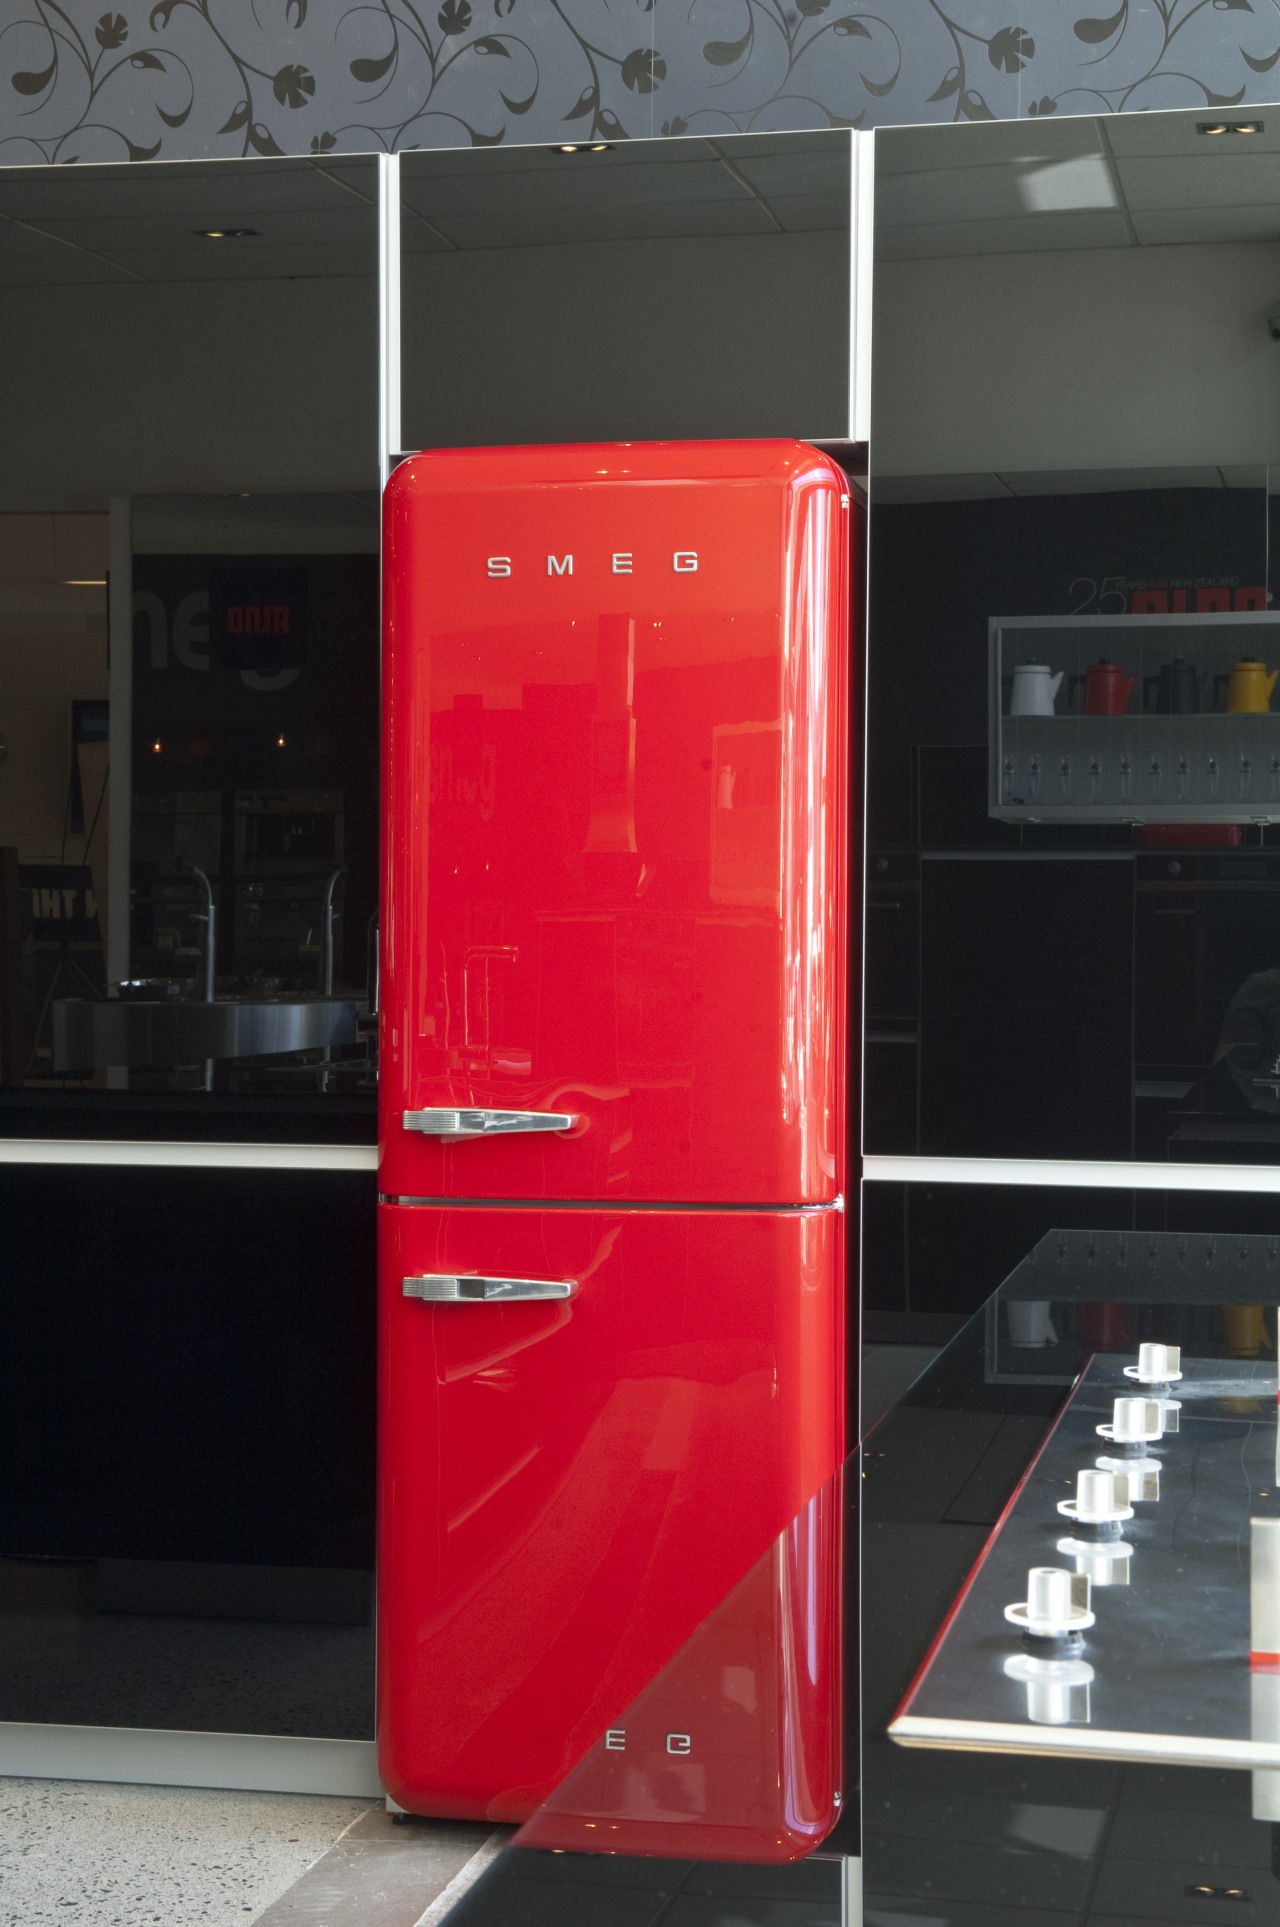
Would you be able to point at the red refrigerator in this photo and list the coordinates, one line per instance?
(613, 1140)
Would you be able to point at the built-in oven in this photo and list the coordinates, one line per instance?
(892, 1000)
(1206, 922)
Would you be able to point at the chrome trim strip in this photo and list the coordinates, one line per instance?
(1078, 1173)
(185, 1154)
(390, 438)
(1083, 1743)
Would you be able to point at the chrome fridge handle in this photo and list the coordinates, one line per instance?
(476, 1123)
(465, 1288)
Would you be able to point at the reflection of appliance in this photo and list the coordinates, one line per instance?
(613, 1128)
(288, 845)
(287, 832)
(1205, 922)
(170, 828)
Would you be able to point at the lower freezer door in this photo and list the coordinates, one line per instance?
(572, 1486)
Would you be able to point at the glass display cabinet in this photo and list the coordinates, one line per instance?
(1135, 719)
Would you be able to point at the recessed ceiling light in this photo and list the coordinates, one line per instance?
(84, 581)
(227, 233)
(1216, 127)
(568, 147)
(583, 147)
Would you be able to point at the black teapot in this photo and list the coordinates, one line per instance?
(1179, 688)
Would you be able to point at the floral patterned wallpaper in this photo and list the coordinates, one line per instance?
(181, 79)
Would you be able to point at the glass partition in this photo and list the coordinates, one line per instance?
(638, 290)
(1072, 827)
(188, 837)
(189, 682)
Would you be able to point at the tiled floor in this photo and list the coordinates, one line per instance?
(574, 1890)
(122, 1856)
(967, 1841)
(133, 1856)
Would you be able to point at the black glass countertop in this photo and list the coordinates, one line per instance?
(1123, 1792)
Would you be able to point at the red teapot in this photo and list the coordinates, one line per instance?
(1106, 689)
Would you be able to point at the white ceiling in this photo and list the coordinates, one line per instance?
(314, 218)
(1121, 181)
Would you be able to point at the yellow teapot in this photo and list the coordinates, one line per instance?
(1250, 686)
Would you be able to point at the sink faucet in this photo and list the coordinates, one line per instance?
(209, 917)
(326, 967)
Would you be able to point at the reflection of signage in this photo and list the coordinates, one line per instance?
(62, 951)
(1178, 595)
(258, 620)
(58, 904)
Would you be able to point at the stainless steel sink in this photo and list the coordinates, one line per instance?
(89, 1035)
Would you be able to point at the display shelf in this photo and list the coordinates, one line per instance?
(1144, 764)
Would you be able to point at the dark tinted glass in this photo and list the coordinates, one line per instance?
(1074, 764)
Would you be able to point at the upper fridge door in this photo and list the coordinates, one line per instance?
(615, 752)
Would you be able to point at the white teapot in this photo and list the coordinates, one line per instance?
(1034, 688)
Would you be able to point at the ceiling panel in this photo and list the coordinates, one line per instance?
(948, 194)
(1173, 227)
(16, 238)
(233, 264)
(736, 147)
(418, 236)
(1109, 481)
(548, 228)
(935, 488)
(1074, 184)
(804, 212)
(357, 176)
(1245, 475)
(1027, 234)
(473, 164)
(66, 268)
(805, 172)
(198, 191)
(1215, 179)
(348, 226)
(567, 189)
(905, 150)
